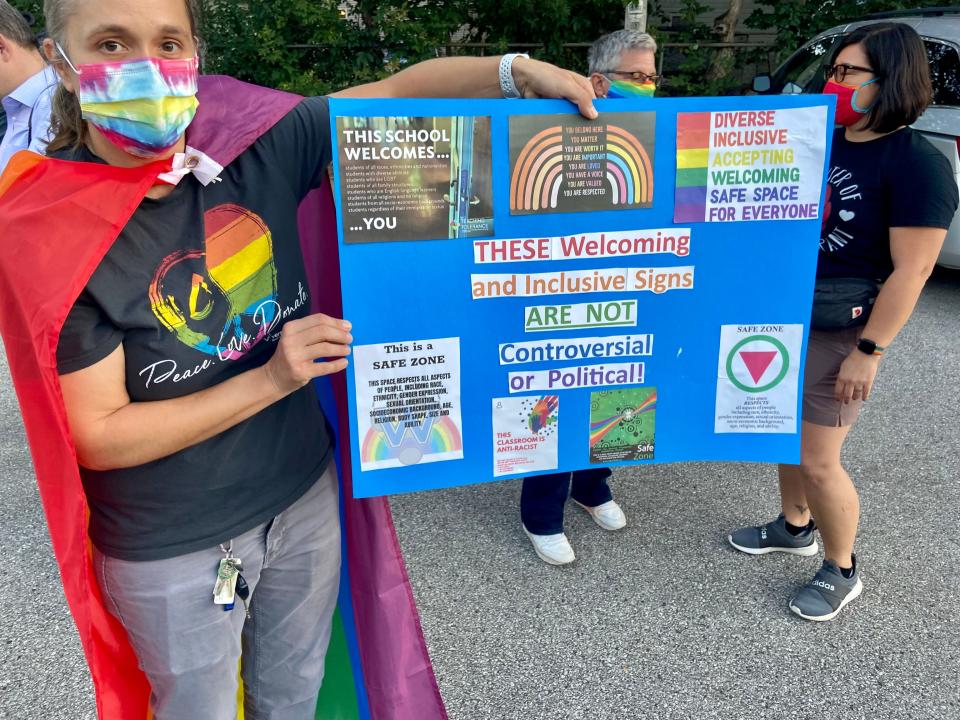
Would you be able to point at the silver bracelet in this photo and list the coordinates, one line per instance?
(507, 86)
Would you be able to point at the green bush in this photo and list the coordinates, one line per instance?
(309, 47)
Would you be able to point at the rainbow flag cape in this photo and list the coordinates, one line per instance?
(378, 667)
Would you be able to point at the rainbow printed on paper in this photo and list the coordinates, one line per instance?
(398, 442)
(543, 413)
(540, 170)
(222, 300)
(693, 156)
(601, 428)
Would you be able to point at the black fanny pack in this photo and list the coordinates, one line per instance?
(840, 303)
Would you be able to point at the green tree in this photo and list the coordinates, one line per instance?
(690, 64)
(725, 30)
(549, 23)
(34, 8)
(311, 47)
(251, 41)
(308, 46)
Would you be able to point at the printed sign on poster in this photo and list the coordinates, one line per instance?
(415, 178)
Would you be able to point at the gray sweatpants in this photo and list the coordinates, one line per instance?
(190, 648)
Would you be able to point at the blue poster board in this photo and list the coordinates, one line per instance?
(533, 292)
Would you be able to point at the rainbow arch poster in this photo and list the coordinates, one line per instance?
(560, 164)
(534, 292)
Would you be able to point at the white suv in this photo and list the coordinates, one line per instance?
(940, 124)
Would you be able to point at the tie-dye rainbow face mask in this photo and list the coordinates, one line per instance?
(142, 106)
(628, 89)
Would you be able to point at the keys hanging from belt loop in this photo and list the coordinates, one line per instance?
(228, 570)
(228, 550)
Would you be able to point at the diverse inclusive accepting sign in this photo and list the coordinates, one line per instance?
(534, 292)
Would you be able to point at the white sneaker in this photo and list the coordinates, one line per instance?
(552, 549)
(609, 516)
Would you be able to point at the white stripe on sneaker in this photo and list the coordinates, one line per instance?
(805, 551)
(852, 595)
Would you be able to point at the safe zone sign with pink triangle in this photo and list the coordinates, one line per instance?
(758, 378)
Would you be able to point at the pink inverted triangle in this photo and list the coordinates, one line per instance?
(757, 362)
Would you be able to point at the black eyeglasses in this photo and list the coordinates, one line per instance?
(839, 72)
(637, 77)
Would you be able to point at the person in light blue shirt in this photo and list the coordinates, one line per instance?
(27, 85)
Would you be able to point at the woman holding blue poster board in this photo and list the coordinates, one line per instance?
(890, 198)
(179, 381)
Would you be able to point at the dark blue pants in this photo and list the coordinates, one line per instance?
(543, 497)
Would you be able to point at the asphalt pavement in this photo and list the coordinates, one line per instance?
(660, 620)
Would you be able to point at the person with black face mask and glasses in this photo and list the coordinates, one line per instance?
(890, 198)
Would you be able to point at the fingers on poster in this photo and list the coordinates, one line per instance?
(408, 403)
(415, 178)
(622, 425)
(750, 165)
(758, 378)
(561, 163)
(526, 434)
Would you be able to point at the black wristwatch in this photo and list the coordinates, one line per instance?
(869, 347)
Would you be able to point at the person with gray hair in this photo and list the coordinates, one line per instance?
(26, 86)
(623, 64)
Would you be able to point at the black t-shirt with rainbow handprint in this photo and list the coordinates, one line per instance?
(197, 288)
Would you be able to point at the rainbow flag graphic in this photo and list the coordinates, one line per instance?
(601, 428)
(693, 157)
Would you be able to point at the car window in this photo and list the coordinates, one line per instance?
(804, 71)
(945, 72)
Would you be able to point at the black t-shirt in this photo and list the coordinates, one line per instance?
(197, 288)
(899, 180)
